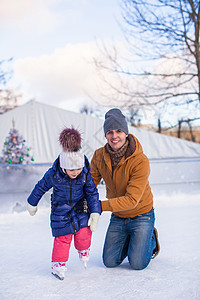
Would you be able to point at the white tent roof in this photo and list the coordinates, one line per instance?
(40, 125)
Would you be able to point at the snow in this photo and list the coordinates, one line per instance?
(26, 245)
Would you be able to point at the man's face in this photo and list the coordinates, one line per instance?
(116, 138)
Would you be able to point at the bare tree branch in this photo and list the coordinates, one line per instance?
(163, 38)
(8, 97)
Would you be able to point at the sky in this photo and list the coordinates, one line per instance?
(53, 43)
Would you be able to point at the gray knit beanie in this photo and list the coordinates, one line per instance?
(114, 119)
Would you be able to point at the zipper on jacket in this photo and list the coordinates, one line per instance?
(71, 193)
(71, 206)
(72, 224)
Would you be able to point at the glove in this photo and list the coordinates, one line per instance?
(93, 221)
(31, 209)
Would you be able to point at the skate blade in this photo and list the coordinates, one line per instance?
(57, 276)
(85, 265)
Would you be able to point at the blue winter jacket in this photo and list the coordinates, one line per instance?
(66, 193)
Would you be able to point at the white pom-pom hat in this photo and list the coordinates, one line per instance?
(71, 157)
(71, 160)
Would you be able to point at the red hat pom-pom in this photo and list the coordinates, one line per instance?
(70, 139)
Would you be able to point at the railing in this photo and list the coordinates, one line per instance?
(19, 178)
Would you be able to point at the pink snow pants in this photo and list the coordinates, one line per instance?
(61, 246)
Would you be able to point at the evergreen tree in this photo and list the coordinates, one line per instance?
(15, 149)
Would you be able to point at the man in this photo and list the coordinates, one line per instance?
(125, 170)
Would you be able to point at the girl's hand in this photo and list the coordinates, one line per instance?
(93, 221)
(31, 209)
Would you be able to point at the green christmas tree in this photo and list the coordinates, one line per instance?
(15, 149)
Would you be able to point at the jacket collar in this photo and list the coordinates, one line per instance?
(130, 150)
(131, 146)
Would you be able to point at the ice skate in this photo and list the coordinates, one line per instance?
(58, 269)
(157, 248)
(84, 256)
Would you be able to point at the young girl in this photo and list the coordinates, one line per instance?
(72, 183)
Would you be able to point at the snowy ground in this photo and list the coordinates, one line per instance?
(26, 245)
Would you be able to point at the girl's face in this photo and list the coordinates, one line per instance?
(73, 173)
(116, 138)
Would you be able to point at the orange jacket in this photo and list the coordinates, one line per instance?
(127, 187)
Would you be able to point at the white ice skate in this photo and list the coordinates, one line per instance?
(58, 269)
(84, 256)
